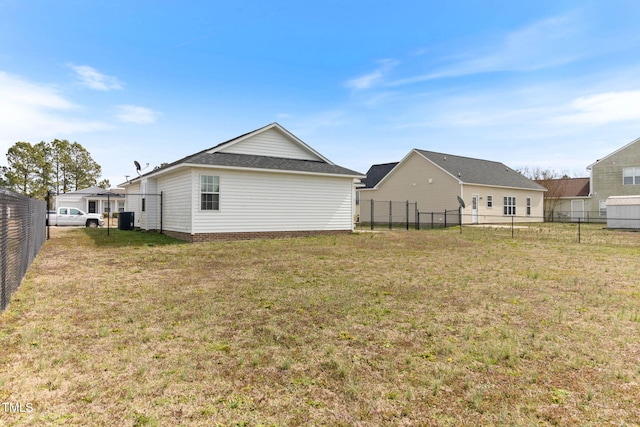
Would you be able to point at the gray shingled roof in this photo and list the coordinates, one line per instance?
(376, 173)
(483, 172)
(271, 163)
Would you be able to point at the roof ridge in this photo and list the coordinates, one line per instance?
(460, 157)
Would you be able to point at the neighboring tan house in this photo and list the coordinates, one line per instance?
(266, 183)
(491, 191)
(566, 199)
(617, 174)
(92, 200)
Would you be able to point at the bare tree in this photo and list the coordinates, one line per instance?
(555, 182)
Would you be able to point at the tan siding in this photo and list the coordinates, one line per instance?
(417, 180)
(270, 143)
(606, 175)
(434, 190)
(495, 214)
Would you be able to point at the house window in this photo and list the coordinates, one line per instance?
(631, 176)
(528, 205)
(509, 206)
(602, 205)
(209, 193)
(489, 201)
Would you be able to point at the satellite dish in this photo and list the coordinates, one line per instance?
(462, 205)
(135, 162)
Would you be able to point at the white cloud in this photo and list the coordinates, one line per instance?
(93, 79)
(373, 78)
(34, 112)
(543, 44)
(604, 108)
(135, 114)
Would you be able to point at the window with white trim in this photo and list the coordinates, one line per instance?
(489, 201)
(509, 207)
(209, 193)
(528, 205)
(631, 176)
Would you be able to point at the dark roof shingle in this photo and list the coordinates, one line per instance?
(376, 173)
(478, 171)
(270, 163)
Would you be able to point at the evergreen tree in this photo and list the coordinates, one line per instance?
(57, 166)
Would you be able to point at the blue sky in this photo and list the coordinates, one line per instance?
(550, 84)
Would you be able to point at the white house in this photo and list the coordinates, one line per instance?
(93, 200)
(266, 183)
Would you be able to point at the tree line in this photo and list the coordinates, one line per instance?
(58, 166)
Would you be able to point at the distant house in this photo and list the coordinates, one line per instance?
(265, 183)
(93, 200)
(492, 192)
(566, 199)
(617, 174)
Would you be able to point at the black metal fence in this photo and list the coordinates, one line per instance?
(575, 216)
(22, 233)
(394, 214)
(145, 209)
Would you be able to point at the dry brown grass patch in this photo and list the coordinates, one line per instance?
(400, 328)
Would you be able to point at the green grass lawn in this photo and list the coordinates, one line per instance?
(431, 327)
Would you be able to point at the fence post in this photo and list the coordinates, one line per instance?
(432, 225)
(460, 218)
(417, 217)
(46, 214)
(445, 218)
(512, 226)
(109, 214)
(407, 214)
(578, 229)
(372, 215)
(390, 214)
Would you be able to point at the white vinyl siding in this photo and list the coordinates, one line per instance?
(270, 143)
(263, 201)
(176, 201)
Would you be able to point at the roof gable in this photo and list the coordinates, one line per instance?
(466, 170)
(269, 148)
(273, 141)
(614, 153)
